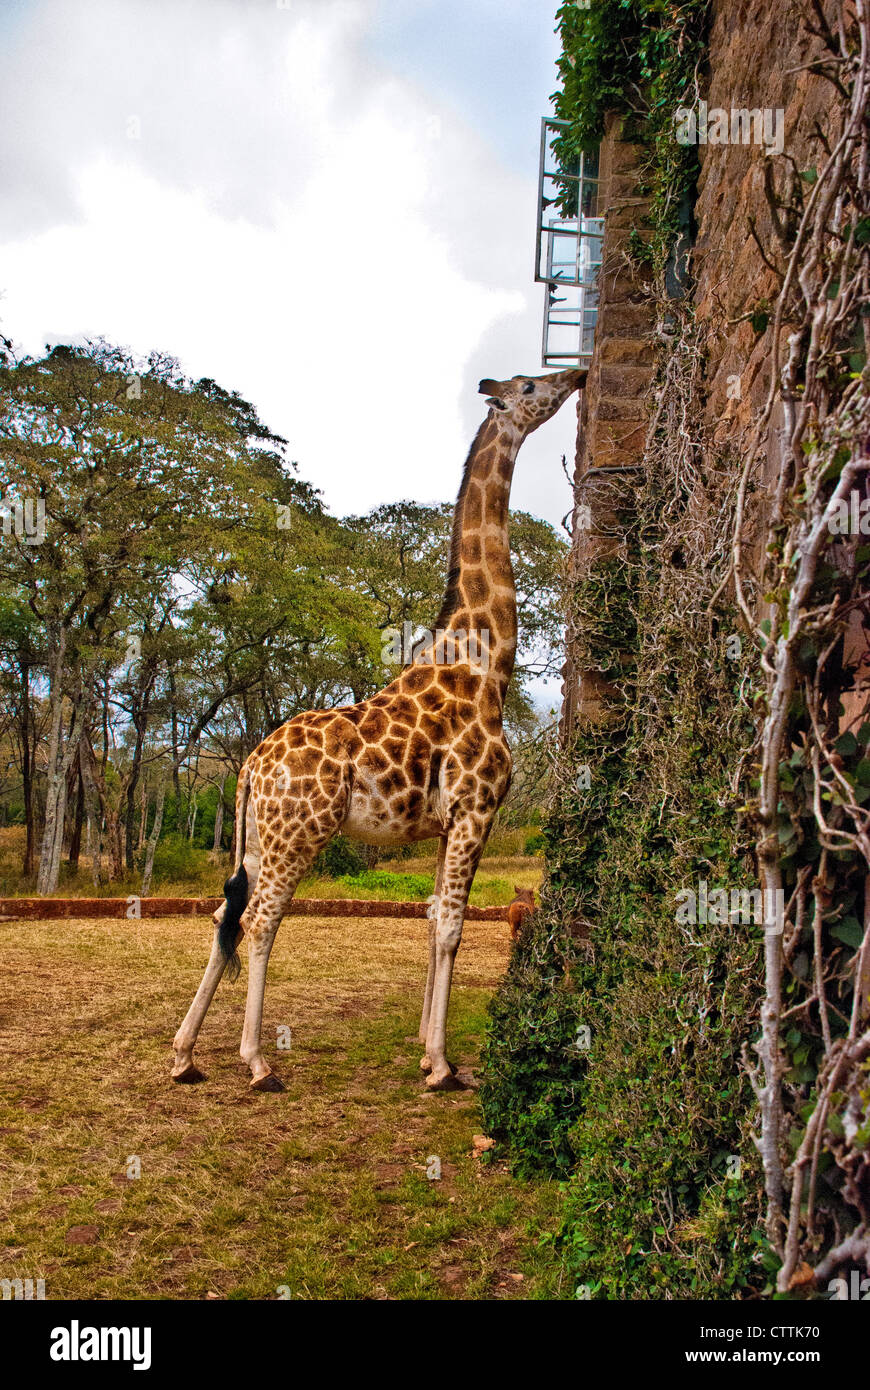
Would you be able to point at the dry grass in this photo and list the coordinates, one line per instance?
(322, 1189)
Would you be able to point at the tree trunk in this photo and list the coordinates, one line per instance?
(141, 723)
(143, 819)
(75, 844)
(93, 849)
(29, 863)
(219, 817)
(176, 780)
(59, 761)
(115, 837)
(153, 838)
(104, 814)
(129, 818)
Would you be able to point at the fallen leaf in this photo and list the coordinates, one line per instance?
(802, 1275)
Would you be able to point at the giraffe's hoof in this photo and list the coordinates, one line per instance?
(446, 1082)
(269, 1082)
(426, 1065)
(189, 1075)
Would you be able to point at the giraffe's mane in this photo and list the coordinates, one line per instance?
(450, 601)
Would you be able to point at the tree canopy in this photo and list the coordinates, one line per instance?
(182, 591)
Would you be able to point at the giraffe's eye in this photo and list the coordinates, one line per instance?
(528, 388)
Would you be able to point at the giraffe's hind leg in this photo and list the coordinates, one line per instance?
(261, 927)
(281, 868)
(184, 1068)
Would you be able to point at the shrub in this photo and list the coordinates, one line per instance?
(339, 858)
(401, 887)
(176, 858)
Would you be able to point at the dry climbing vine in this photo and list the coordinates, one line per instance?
(811, 806)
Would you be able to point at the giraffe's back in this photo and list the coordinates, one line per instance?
(394, 768)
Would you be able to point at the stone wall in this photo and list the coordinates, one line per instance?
(758, 58)
(612, 409)
(612, 413)
(41, 909)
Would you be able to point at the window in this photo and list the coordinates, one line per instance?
(568, 250)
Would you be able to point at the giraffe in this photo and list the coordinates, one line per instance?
(424, 758)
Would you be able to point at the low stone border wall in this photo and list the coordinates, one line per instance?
(41, 908)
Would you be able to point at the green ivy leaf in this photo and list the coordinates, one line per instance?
(848, 931)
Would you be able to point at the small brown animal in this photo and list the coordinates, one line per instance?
(519, 909)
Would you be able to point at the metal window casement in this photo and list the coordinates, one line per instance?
(568, 246)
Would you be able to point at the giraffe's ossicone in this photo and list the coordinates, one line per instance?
(424, 758)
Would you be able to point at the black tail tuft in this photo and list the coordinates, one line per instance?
(236, 894)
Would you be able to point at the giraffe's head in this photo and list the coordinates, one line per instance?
(527, 401)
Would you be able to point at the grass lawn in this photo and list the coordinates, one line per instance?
(407, 880)
(322, 1190)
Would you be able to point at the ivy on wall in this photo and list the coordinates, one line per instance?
(614, 1051)
(621, 1049)
(641, 59)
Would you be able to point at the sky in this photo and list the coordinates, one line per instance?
(326, 205)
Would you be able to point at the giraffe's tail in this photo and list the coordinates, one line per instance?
(236, 887)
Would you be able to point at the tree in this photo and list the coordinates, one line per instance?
(148, 483)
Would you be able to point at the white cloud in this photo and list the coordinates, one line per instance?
(297, 221)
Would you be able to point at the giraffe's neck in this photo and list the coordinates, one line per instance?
(481, 597)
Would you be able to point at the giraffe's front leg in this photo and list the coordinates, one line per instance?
(430, 978)
(464, 847)
(448, 936)
(430, 972)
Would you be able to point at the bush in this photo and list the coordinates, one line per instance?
(176, 858)
(534, 844)
(613, 1053)
(339, 858)
(398, 887)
